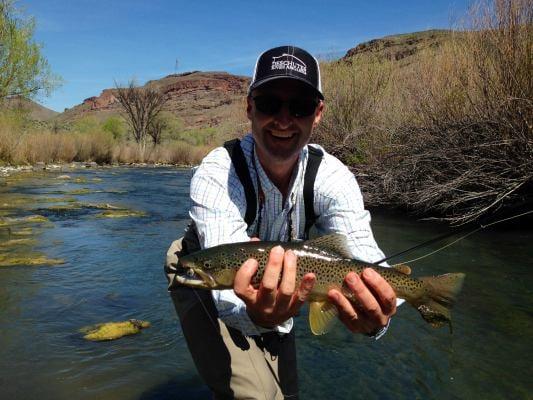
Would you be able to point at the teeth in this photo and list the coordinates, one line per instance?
(282, 135)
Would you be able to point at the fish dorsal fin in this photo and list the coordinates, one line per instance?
(334, 243)
(321, 316)
(404, 269)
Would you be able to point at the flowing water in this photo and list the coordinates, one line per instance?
(112, 271)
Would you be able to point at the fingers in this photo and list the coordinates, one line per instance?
(288, 280)
(269, 284)
(371, 303)
(347, 313)
(243, 281)
(304, 290)
(277, 298)
(365, 300)
(382, 291)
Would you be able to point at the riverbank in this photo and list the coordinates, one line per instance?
(6, 171)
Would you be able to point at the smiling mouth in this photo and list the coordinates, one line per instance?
(283, 135)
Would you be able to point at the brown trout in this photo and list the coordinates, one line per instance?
(330, 260)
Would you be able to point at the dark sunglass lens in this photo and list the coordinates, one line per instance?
(303, 107)
(268, 105)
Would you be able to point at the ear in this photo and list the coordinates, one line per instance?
(249, 107)
(318, 113)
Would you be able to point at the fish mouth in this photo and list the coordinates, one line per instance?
(194, 277)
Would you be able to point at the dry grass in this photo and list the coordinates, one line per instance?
(9, 142)
(362, 108)
(176, 153)
(23, 142)
(450, 134)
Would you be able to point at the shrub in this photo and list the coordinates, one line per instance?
(449, 133)
(115, 126)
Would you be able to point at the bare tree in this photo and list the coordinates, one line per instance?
(156, 128)
(141, 106)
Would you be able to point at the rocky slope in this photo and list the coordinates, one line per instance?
(399, 47)
(199, 99)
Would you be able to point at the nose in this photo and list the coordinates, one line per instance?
(283, 118)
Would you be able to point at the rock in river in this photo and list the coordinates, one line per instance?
(113, 330)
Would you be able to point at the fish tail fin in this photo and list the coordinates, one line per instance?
(441, 293)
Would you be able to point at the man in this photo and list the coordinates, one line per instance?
(243, 342)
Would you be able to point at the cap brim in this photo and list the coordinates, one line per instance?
(276, 77)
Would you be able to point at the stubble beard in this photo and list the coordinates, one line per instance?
(277, 149)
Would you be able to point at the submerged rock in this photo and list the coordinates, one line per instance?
(12, 260)
(22, 232)
(121, 214)
(90, 191)
(113, 330)
(17, 242)
(59, 208)
(81, 191)
(79, 209)
(13, 201)
(35, 219)
(31, 219)
(103, 206)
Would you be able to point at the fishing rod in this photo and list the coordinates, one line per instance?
(465, 228)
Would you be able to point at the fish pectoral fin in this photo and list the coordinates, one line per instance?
(404, 269)
(322, 314)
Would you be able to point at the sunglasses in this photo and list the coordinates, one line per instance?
(299, 107)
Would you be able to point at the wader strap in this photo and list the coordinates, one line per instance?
(241, 168)
(313, 162)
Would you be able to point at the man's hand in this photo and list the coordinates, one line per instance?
(375, 302)
(274, 301)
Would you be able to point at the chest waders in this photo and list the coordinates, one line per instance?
(196, 309)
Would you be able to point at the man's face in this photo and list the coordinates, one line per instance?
(281, 136)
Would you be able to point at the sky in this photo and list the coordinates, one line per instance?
(93, 44)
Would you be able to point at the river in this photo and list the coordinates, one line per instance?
(112, 271)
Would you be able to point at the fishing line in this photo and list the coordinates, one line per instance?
(447, 235)
(205, 309)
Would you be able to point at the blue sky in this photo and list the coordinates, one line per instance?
(93, 43)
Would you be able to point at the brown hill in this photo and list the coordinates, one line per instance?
(199, 99)
(35, 111)
(399, 47)
(206, 99)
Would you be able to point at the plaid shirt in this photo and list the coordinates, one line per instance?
(219, 205)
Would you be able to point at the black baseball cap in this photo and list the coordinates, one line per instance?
(287, 62)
